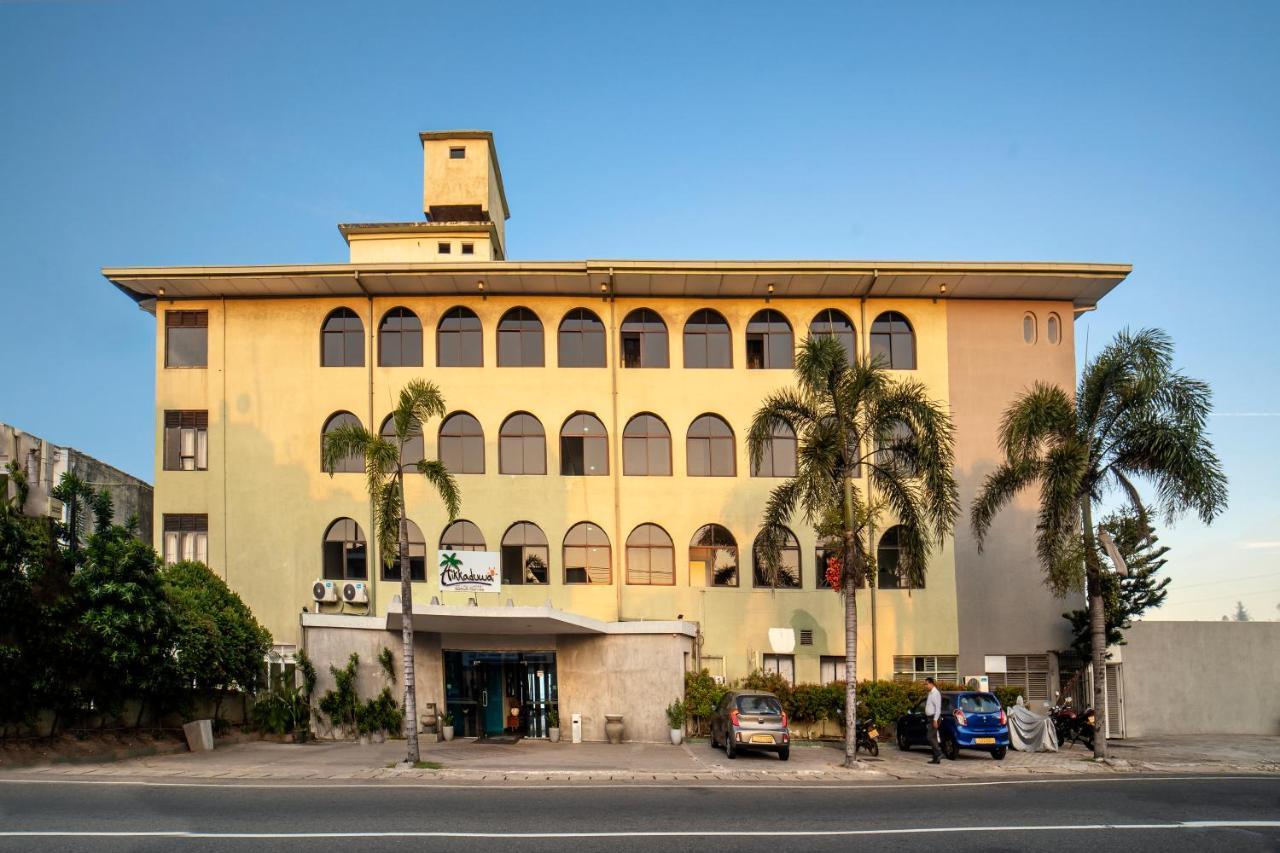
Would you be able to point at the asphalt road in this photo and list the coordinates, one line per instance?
(1142, 814)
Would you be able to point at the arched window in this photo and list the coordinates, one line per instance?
(709, 448)
(462, 444)
(525, 555)
(889, 563)
(836, 324)
(893, 342)
(584, 447)
(520, 339)
(644, 339)
(788, 563)
(414, 450)
(353, 464)
(1053, 329)
(522, 445)
(651, 557)
(587, 556)
(779, 458)
(646, 447)
(581, 340)
(417, 557)
(714, 550)
(1028, 328)
(707, 340)
(459, 339)
(770, 342)
(400, 339)
(345, 554)
(462, 535)
(342, 339)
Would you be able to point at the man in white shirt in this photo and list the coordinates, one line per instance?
(933, 719)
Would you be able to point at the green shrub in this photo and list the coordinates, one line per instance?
(280, 713)
(553, 719)
(1008, 695)
(675, 715)
(341, 704)
(701, 696)
(772, 682)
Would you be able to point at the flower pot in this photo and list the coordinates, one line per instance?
(677, 735)
(613, 727)
(553, 734)
(447, 732)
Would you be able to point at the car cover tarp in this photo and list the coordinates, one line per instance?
(1030, 732)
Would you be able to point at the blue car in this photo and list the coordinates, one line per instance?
(970, 720)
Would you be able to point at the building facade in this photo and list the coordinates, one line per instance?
(598, 412)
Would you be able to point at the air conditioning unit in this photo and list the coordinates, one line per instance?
(977, 682)
(355, 593)
(324, 591)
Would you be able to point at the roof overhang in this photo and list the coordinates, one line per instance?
(1081, 284)
(511, 620)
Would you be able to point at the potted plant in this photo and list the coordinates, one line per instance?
(446, 725)
(675, 720)
(553, 725)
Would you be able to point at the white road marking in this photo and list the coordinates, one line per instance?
(382, 784)
(727, 833)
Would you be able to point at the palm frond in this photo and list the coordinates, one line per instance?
(1039, 416)
(1000, 487)
(444, 484)
(343, 442)
(420, 401)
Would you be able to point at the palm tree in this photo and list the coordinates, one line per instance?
(384, 471)
(849, 418)
(1134, 418)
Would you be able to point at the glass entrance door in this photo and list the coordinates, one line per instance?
(500, 693)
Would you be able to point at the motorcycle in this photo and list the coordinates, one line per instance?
(866, 735)
(1071, 727)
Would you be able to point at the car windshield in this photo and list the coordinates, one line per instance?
(759, 705)
(979, 703)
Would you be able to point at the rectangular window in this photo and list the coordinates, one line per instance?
(468, 248)
(186, 441)
(186, 537)
(831, 668)
(755, 352)
(784, 665)
(186, 339)
(444, 248)
(458, 153)
(1029, 673)
(631, 349)
(916, 667)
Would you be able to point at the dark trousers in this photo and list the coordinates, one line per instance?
(932, 734)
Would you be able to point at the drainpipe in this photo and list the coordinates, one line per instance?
(372, 537)
(616, 438)
(873, 579)
(226, 568)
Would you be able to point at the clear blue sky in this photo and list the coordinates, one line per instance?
(231, 133)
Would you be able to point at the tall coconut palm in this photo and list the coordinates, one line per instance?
(1134, 418)
(419, 402)
(851, 419)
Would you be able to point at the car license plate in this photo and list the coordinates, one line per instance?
(984, 740)
(762, 738)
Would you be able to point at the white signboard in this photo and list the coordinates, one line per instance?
(470, 571)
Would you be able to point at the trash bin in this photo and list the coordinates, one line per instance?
(199, 735)
(575, 728)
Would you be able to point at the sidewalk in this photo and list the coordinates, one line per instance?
(467, 762)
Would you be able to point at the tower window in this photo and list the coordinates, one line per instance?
(457, 153)
(468, 248)
(444, 248)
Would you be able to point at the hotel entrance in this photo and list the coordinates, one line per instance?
(500, 694)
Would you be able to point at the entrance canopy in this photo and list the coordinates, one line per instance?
(449, 619)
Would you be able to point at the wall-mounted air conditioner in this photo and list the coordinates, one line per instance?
(324, 591)
(355, 592)
(977, 682)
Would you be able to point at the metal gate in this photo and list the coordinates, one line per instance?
(1112, 710)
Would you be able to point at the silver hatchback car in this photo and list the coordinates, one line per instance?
(750, 719)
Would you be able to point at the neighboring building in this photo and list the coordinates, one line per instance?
(598, 412)
(45, 463)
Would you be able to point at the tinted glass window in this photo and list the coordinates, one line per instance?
(414, 450)
(584, 447)
(779, 457)
(646, 447)
(788, 572)
(644, 339)
(462, 535)
(836, 324)
(520, 339)
(400, 339)
(342, 340)
(345, 554)
(587, 555)
(462, 444)
(581, 340)
(707, 340)
(715, 551)
(417, 557)
(522, 445)
(710, 448)
(353, 464)
(186, 339)
(979, 703)
(893, 342)
(525, 555)
(770, 343)
(650, 556)
(888, 555)
(459, 340)
(759, 705)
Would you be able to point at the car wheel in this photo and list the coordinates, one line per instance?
(875, 748)
(998, 753)
(784, 753)
(949, 749)
(729, 750)
(903, 743)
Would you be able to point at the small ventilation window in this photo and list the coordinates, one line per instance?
(444, 248)
(806, 636)
(1029, 328)
(1055, 329)
(468, 248)
(457, 153)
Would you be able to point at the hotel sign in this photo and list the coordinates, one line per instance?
(471, 571)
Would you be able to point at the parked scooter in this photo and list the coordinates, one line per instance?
(866, 734)
(1071, 727)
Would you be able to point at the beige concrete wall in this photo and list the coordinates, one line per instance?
(636, 675)
(418, 248)
(1003, 606)
(1217, 678)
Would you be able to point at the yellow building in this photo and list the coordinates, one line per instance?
(598, 414)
